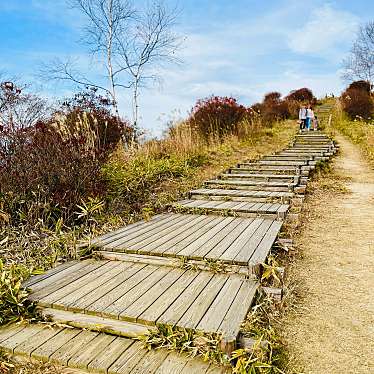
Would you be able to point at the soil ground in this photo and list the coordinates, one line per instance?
(332, 330)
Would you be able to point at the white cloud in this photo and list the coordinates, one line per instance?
(325, 30)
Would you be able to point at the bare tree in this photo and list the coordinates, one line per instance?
(360, 63)
(107, 24)
(19, 110)
(152, 43)
(131, 44)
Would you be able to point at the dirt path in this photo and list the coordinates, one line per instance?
(333, 329)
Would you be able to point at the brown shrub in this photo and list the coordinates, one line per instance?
(357, 103)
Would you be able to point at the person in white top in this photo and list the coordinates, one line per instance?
(302, 117)
(309, 117)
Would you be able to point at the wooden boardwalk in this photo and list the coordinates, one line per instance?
(164, 270)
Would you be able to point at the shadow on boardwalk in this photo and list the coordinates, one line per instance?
(334, 331)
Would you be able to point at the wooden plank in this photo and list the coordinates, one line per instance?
(101, 363)
(91, 285)
(205, 239)
(135, 277)
(29, 345)
(176, 310)
(239, 308)
(213, 318)
(266, 243)
(133, 311)
(198, 308)
(62, 355)
(52, 298)
(236, 246)
(129, 229)
(128, 359)
(159, 306)
(150, 362)
(10, 330)
(205, 248)
(9, 344)
(135, 293)
(173, 364)
(61, 275)
(189, 237)
(225, 243)
(79, 273)
(96, 323)
(251, 245)
(145, 231)
(45, 351)
(97, 346)
(126, 271)
(171, 236)
(195, 366)
(38, 278)
(150, 237)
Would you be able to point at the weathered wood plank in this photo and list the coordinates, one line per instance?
(173, 364)
(133, 278)
(155, 243)
(68, 273)
(159, 306)
(96, 323)
(100, 290)
(150, 362)
(236, 246)
(38, 278)
(128, 229)
(147, 230)
(45, 351)
(192, 249)
(101, 363)
(136, 292)
(213, 318)
(128, 359)
(51, 298)
(198, 308)
(10, 330)
(133, 311)
(62, 355)
(23, 335)
(238, 310)
(250, 246)
(96, 347)
(29, 345)
(173, 314)
(226, 242)
(266, 243)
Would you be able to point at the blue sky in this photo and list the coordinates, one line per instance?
(243, 48)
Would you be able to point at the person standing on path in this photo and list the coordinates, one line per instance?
(302, 117)
(309, 117)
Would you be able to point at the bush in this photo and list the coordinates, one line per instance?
(361, 86)
(14, 305)
(273, 108)
(217, 116)
(357, 103)
(48, 168)
(302, 95)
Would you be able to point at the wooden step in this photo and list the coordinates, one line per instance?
(95, 352)
(146, 295)
(241, 195)
(238, 209)
(96, 323)
(262, 177)
(252, 185)
(198, 237)
(265, 169)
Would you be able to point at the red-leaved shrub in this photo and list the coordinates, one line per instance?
(217, 116)
(357, 103)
